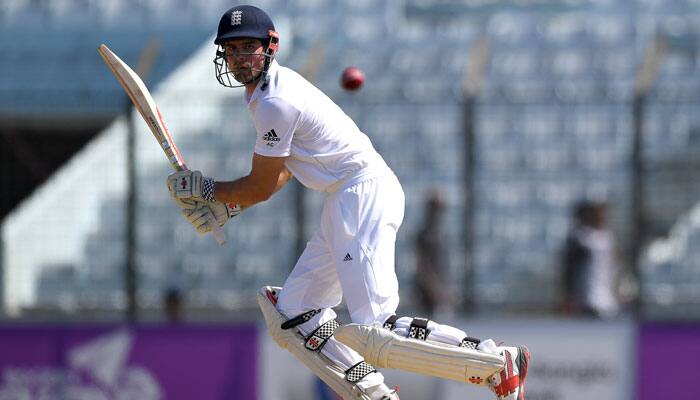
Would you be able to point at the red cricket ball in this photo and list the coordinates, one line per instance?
(352, 78)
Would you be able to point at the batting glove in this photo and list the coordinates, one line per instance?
(204, 215)
(190, 185)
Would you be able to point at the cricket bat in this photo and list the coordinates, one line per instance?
(144, 103)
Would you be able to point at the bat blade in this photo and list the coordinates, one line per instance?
(144, 103)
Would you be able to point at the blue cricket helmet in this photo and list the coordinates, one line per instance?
(244, 22)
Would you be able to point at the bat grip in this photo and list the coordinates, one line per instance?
(218, 234)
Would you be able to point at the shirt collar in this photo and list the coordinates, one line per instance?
(271, 72)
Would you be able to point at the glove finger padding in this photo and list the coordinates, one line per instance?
(201, 218)
(203, 215)
(186, 204)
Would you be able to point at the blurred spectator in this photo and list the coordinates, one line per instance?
(431, 266)
(590, 266)
(172, 303)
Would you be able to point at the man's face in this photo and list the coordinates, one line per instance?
(245, 58)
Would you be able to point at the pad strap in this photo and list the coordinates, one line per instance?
(390, 322)
(318, 338)
(359, 371)
(300, 319)
(419, 329)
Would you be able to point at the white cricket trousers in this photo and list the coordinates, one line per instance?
(350, 255)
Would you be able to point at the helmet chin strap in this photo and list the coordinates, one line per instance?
(272, 48)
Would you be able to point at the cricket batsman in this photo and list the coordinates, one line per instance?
(302, 133)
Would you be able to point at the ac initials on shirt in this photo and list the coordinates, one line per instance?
(271, 137)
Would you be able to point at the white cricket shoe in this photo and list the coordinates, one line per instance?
(393, 395)
(382, 392)
(509, 384)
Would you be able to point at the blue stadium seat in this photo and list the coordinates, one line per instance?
(610, 30)
(571, 63)
(521, 63)
(564, 29)
(511, 30)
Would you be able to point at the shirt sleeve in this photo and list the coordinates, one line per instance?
(275, 122)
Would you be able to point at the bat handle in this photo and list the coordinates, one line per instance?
(218, 234)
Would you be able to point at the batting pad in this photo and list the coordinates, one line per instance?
(385, 349)
(291, 340)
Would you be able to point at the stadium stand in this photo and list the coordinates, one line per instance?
(553, 125)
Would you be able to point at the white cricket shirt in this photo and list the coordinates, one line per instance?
(325, 148)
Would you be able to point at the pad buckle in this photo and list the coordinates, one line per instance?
(390, 322)
(419, 329)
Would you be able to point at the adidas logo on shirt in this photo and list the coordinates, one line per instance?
(271, 137)
(347, 257)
